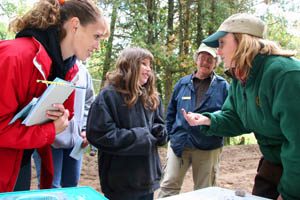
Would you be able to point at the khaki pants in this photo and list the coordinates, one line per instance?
(204, 164)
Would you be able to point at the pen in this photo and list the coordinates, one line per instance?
(60, 83)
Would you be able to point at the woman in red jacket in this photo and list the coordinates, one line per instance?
(50, 37)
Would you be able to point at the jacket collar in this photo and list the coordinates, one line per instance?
(42, 61)
(49, 38)
(195, 72)
(256, 66)
(188, 79)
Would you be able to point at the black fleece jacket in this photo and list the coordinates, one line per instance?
(127, 139)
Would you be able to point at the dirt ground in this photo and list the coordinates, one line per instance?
(237, 169)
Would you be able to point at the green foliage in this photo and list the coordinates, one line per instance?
(276, 32)
(279, 27)
(8, 11)
(3, 31)
(241, 140)
(145, 24)
(95, 65)
(134, 28)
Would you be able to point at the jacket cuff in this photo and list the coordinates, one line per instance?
(49, 130)
(208, 130)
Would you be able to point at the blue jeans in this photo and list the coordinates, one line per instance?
(24, 177)
(94, 148)
(66, 169)
(37, 163)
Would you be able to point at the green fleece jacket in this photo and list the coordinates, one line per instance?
(268, 104)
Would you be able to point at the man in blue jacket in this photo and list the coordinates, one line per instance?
(201, 91)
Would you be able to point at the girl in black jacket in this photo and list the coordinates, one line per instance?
(126, 124)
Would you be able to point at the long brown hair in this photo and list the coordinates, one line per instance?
(46, 13)
(248, 47)
(126, 76)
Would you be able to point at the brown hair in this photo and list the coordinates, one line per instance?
(49, 12)
(126, 76)
(248, 47)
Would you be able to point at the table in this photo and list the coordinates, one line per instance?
(73, 193)
(212, 193)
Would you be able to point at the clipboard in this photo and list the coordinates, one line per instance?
(35, 112)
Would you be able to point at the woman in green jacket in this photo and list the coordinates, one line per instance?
(263, 98)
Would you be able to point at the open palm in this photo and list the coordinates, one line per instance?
(195, 119)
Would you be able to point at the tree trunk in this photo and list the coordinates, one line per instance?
(107, 59)
(150, 12)
(170, 40)
(180, 28)
(212, 16)
(186, 38)
(199, 23)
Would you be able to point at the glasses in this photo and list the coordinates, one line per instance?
(208, 59)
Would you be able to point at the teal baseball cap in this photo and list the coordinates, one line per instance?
(237, 23)
(213, 40)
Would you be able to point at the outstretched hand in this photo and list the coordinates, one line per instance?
(195, 119)
(59, 117)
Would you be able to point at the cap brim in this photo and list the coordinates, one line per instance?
(213, 40)
(212, 53)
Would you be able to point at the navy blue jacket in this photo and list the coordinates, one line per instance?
(127, 139)
(179, 131)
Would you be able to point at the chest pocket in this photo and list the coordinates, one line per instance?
(185, 99)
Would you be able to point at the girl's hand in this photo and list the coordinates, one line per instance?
(195, 119)
(85, 141)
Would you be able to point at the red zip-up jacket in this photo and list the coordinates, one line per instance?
(22, 62)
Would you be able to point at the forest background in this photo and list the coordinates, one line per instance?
(172, 30)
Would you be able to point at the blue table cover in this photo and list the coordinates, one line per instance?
(73, 193)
